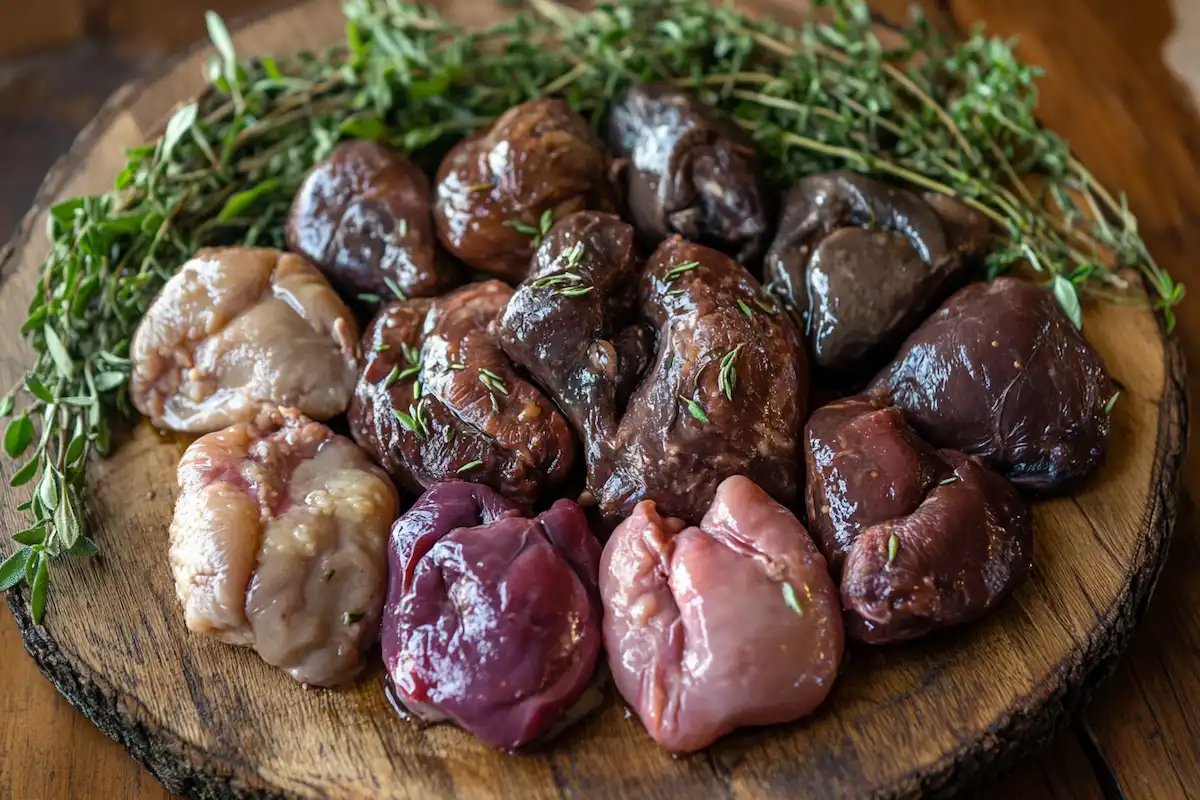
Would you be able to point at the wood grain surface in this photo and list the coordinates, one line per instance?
(1146, 744)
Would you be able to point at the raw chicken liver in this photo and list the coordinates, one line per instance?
(492, 619)
(711, 628)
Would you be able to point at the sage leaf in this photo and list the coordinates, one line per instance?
(18, 435)
(1068, 299)
(12, 571)
(41, 587)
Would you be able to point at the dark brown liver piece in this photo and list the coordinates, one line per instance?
(572, 324)
(921, 539)
(999, 372)
(685, 170)
(724, 396)
(472, 416)
(493, 189)
(862, 262)
(363, 216)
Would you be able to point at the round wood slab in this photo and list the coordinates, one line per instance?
(933, 716)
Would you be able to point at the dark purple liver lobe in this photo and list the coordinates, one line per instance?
(492, 619)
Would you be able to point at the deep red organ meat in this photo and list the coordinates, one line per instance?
(492, 619)
(999, 372)
(711, 628)
(920, 538)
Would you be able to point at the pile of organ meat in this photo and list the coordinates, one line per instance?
(587, 371)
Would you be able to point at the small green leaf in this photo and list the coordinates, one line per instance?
(695, 409)
(67, 526)
(468, 466)
(546, 221)
(180, 123)
(791, 598)
(354, 39)
(38, 389)
(47, 490)
(1112, 401)
(58, 353)
(6, 405)
(745, 309)
(371, 127)
(219, 34)
(35, 534)
(271, 68)
(41, 586)
(1068, 299)
(240, 202)
(25, 474)
(448, 434)
(18, 435)
(893, 547)
(12, 571)
(675, 272)
(84, 548)
(523, 228)
(107, 381)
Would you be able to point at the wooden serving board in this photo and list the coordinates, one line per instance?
(934, 716)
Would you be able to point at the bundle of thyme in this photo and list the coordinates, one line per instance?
(950, 117)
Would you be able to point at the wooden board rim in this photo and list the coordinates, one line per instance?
(190, 770)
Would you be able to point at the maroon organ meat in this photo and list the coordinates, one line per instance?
(439, 400)
(921, 538)
(492, 619)
(363, 216)
(684, 170)
(862, 262)
(711, 628)
(999, 372)
(539, 162)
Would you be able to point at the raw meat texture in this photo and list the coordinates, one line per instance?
(572, 324)
(999, 372)
(240, 330)
(920, 538)
(492, 619)
(862, 262)
(684, 170)
(701, 414)
(279, 544)
(539, 157)
(711, 628)
(363, 217)
(439, 400)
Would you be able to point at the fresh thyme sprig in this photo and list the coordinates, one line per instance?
(957, 119)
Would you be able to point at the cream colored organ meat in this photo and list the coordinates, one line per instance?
(240, 330)
(279, 543)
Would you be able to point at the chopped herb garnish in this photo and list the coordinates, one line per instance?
(392, 377)
(561, 279)
(745, 309)
(893, 547)
(576, 291)
(408, 422)
(791, 598)
(492, 381)
(419, 415)
(547, 220)
(676, 291)
(727, 378)
(468, 467)
(695, 409)
(408, 373)
(456, 367)
(523, 228)
(416, 390)
(379, 348)
(483, 186)
(767, 307)
(368, 297)
(495, 403)
(394, 288)
(353, 617)
(1112, 401)
(948, 481)
(411, 354)
(575, 254)
(448, 434)
(403, 227)
(682, 268)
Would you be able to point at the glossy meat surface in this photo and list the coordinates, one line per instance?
(686, 171)
(238, 330)
(538, 157)
(572, 324)
(363, 217)
(725, 395)
(711, 628)
(492, 619)
(1000, 372)
(920, 538)
(862, 262)
(439, 400)
(279, 542)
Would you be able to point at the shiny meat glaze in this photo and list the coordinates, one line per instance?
(279, 542)
(967, 546)
(730, 624)
(661, 450)
(571, 324)
(492, 619)
(862, 262)
(685, 170)
(539, 156)
(864, 466)
(363, 216)
(963, 537)
(238, 330)
(1000, 372)
(462, 422)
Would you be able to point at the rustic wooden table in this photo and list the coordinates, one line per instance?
(1107, 91)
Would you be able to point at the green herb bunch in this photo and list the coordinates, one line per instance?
(950, 117)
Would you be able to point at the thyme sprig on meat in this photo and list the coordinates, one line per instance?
(958, 119)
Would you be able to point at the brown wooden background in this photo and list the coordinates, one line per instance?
(1107, 91)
